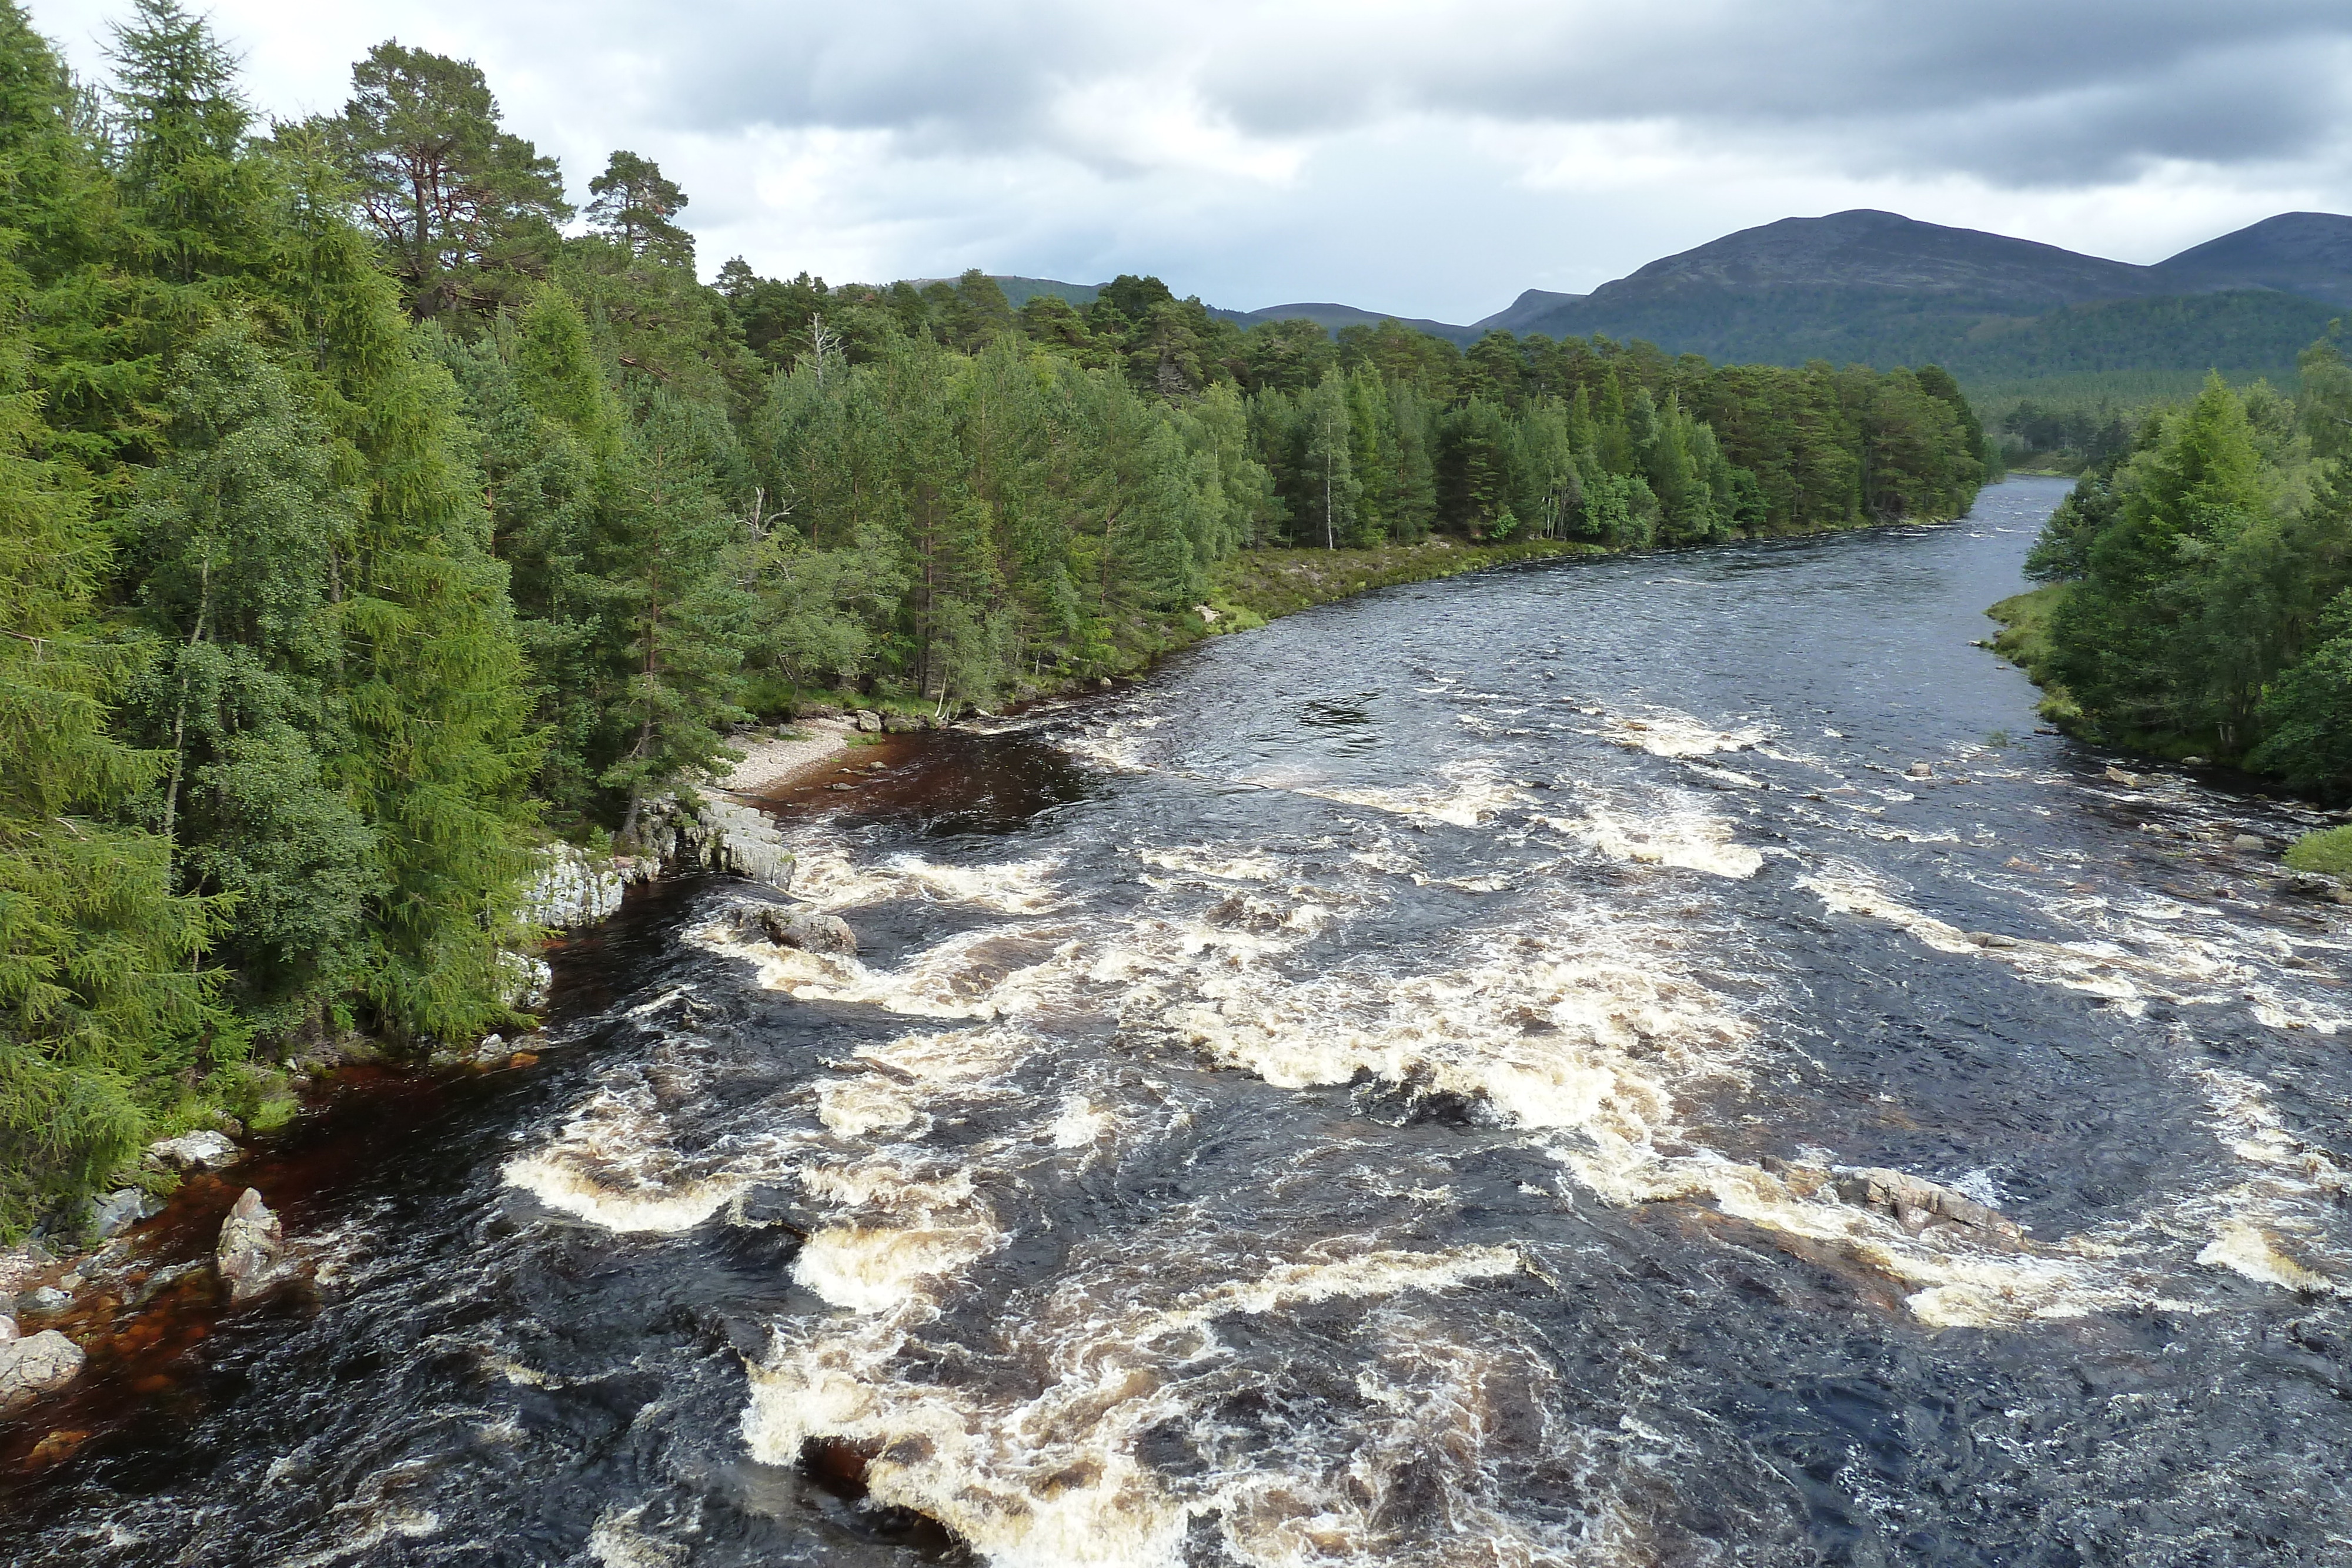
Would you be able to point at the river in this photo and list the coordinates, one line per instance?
(1385, 1090)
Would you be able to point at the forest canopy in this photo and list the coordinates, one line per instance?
(2201, 597)
(369, 515)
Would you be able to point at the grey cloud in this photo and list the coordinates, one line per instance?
(2011, 90)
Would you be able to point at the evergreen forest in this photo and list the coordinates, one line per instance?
(2199, 583)
(372, 515)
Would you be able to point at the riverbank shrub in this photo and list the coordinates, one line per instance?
(2328, 850)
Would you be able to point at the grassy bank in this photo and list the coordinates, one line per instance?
(1256, 586)
(2024, 641)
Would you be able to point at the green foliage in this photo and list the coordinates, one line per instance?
(2328, 850)
(2207, 570)
(462, 204)
(635, 204)
(103, 999)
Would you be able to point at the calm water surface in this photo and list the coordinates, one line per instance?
(1373, 1093)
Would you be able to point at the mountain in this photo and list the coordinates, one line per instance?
(1531, 306)
(1019, 291)
(1867, 250)
(2308, 253)
(1331, 317)
(1881, 289)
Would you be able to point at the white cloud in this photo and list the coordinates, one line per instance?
(1428, 158)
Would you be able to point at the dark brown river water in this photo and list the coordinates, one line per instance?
(1374, 1092)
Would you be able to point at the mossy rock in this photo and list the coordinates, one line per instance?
(2329, 851)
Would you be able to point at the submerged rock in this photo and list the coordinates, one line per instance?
(1916, 1202)
(40, 1365)
(2249, 841)
(2317, 884)
(43, 1301)
(202, 1151)
(2128, 781)
(802, 928)
(118, 1211)
(251, 1256)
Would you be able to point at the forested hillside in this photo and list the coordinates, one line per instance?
(369, 515)
(1877, 289)
(2200, 583)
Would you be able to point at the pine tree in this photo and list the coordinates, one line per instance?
(103, 999)
(195, 202)
(674, 608)
(635, 204)
(430, 670)
(240, 537)
(462, 205)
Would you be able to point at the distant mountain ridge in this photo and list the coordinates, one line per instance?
(2308, 253)
(1883, 289)
(1869, 250)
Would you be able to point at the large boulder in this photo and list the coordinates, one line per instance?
(1915, 1203)
(867, 720)
(201, 1151)
(570, 889)
(30, 1367)
(251, 1256)
(735, 840)
(788, 928)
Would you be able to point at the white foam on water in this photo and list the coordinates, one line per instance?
(975, 974)
(2245, 1250)
(617, 1539)
(915, 1221)
(1081, 1124)
(1046, 1472)
(853, 1107)
(872, 1269)
(1682, 835)
(2128, 955)
(1466, 792)
(952, 1057)
(616, 1165)
(1663, 732)
(564, 1186)
(826, 875)
(1202, 860)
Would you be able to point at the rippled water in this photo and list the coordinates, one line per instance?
(1374, 1092)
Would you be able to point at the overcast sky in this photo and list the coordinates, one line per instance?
(1425, 159)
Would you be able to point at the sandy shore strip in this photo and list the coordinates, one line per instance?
(769, 763)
